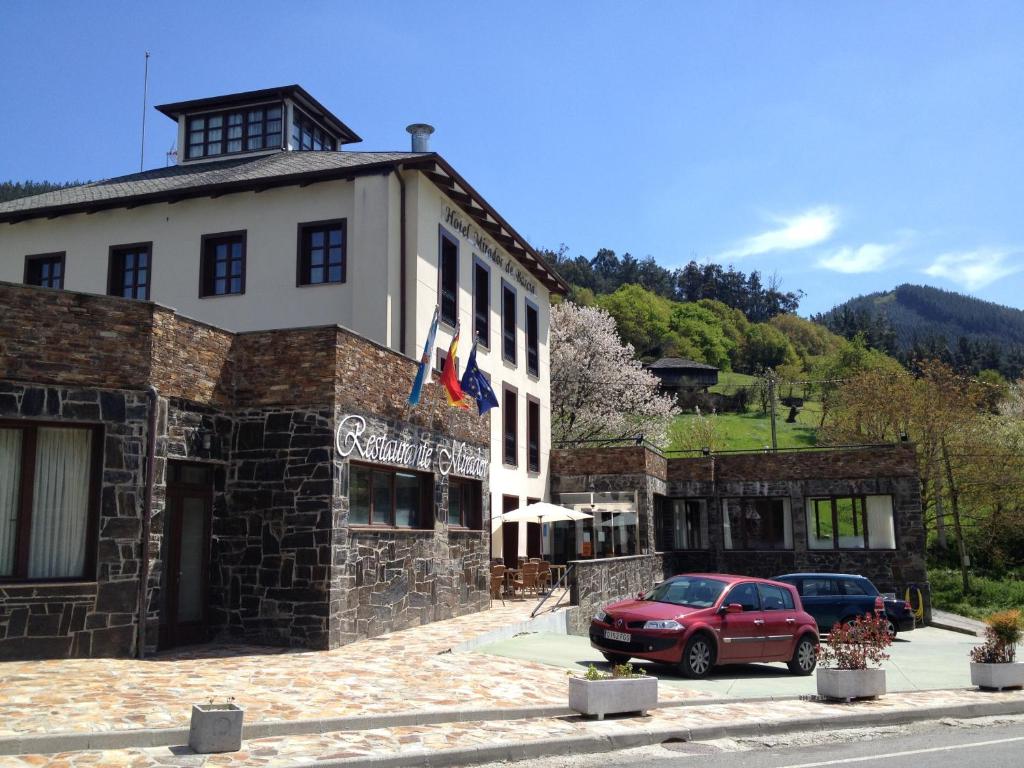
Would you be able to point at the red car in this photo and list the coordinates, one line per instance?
(698, 620)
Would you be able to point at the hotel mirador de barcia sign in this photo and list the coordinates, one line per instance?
(509, 267)
(425, 455)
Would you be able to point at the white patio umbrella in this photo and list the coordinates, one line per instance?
(538, 512)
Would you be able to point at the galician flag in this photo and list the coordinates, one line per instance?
(423, 374)
(450, 375)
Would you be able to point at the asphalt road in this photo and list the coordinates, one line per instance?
(937, 747)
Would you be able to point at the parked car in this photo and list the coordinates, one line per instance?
(700, 620)
(836, 598)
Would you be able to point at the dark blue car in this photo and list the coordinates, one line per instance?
(836, 598)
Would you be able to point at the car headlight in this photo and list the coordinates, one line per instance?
(601, 616)
(664, 624)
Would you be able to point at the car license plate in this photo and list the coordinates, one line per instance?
(622, 637)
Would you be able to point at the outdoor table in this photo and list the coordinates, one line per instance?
(510, 577)
(557, 572)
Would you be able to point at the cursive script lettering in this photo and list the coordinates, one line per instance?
(458, 457)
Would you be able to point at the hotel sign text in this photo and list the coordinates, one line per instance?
(476, 237)
(425, 455)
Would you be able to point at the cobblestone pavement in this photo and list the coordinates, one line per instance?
(294, 750)
(399, 672)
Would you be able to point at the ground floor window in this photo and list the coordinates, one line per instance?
(465, 498)
(612, 531)
(757, 523)
(389, 497)
(850, 522)
(683, 524)
(48, 479)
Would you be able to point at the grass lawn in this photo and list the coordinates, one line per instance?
(753, 430)
(728, 381)
(986, 596)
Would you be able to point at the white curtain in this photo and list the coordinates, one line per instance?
(60, 507)
(881, 530)
(10, 472)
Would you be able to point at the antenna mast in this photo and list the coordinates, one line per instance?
(145, 96)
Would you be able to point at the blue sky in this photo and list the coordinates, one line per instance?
(845, 147)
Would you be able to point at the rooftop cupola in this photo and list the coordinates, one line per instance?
(254, 123)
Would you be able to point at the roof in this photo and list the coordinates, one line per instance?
(679, 362)
(296, 93)
(255, 173)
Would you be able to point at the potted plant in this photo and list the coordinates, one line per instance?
(624, 689)
(845, 668)
(993, 663)
(216, 727)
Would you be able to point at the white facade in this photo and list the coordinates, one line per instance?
(368, 302)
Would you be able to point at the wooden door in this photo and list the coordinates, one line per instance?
(510, 533)
(189, 495)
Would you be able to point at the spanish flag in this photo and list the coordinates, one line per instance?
(450, 376)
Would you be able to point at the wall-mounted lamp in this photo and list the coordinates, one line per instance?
(706, 451)
(904, 437)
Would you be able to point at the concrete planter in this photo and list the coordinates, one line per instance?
(997, 676)
(215, 728)
(849, 684)
(613, 695)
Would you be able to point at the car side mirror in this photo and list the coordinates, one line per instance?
(640, 595)
(731, 608)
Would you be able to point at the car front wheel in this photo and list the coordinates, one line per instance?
(615, 658)
(890, 627)
(698, 657)
(805, 657)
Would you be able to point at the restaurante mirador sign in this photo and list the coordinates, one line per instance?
(425, 455)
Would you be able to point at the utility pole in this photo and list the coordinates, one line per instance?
(145, 96)
(771, 405)
(954, 501)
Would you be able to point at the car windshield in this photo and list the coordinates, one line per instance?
(693, 592)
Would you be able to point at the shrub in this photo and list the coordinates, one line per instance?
(857, 644)
(1001, 637)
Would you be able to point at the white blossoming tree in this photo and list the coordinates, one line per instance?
(599, 390)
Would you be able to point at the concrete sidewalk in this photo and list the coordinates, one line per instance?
(466, 743)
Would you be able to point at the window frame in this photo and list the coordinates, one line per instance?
(426, 494)
(532, 403)
(115, 267)
(205, 279)
(484, 339)
(865, 536)
(444, 236)
(26, 492)
(302, 265)
(532, 350)
(509, 393)
(740, 541)
(59, 257)
(223, 115)
(508, 290)
(329, 142)
(471, 503)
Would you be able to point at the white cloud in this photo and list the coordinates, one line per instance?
(870, 257)
(793, 233)
(974, 269)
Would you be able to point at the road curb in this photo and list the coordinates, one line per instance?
(591, 743)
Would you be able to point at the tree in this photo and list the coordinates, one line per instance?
(599, 390)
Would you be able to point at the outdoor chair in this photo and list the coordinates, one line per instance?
(528, 578)
(498, 586)
(544, 575)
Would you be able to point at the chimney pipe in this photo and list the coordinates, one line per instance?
(420, 136)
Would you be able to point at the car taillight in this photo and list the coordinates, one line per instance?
(879, 604)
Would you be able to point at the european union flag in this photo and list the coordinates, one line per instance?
(475, 385)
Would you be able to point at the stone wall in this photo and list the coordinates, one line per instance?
(94, 617)
(596, 583)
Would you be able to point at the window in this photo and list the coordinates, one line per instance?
(687, 524)
(128, 273)
(850, 522)
(532, 434)
(817, 586)
(532, 342)
(45, 270)
(856, 587)
(322, 252)
(389, 497)
(774, 598)
(510, 419)
(48, 489)
(308, 135)
(448, 258)
(464, 503)
(223, 264)
(482, 304)
(745, 595)
(757, 523)
(508, 322)
(224, 133)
